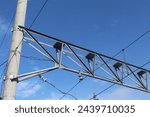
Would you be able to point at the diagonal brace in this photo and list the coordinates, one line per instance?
(54, 60)
(80, 60)
(35, 73)
(117, 78)
(137, 78)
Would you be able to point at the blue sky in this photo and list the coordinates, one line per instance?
(105, 26)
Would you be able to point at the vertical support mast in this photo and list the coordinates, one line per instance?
(14, 57)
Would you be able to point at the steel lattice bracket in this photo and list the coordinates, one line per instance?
(70, 57)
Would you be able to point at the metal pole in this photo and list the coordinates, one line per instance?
(14, 57)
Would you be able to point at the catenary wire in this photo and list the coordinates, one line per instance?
(34, 20)
(122, 50)
(33, 58)
(115, 84)
(39, 12)
(3, 40)
(71, 89)
(107, 61)
(3, 63)
(133, 42)
(126, 46)
(45, 80)
(8, 28)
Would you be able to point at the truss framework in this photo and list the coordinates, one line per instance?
(85, 62)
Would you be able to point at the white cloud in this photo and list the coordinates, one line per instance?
(35, 68)
(96, 80)
(57, 96)
(27, 89)
(53, 96)
(3, 25)
(118, 94)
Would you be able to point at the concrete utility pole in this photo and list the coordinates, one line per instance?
(14, 57)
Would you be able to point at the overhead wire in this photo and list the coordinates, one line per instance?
(137, 39)
(45, 80)
(34, 20)
(4, 68)
(3, 63)
(32, 25)
(107, 61)
(3, 40)
(113, 56)
(130, 44)
(122, 50)
(115, 84)
(70, 89)
(33, 58)
(8, 28)
(39, 12)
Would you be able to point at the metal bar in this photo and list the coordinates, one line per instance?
(42, 47)
(94, 63)
(89, 63)
(90, 51)
(110, 69)
(104, 79)
(38, 50)
(42, 43)
(61, 54)
(106, 72)
(146, 81)
(79, 59)
(66, 51)
(90, 73)
(38, 71)
(51, 46)
(57, 55)
(118, 75)
(74, 61)
(137, 78)
(129, 77)
(35, 73)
